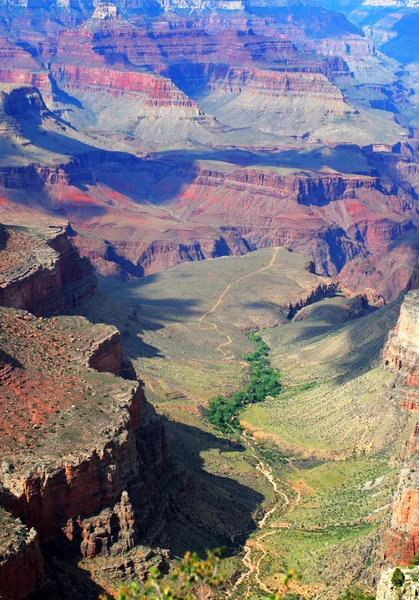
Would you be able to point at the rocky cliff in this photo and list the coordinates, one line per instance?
(402, 349)
(98, 493)
(21, 562)
(401, 353)
(386, 590)
(41, 271)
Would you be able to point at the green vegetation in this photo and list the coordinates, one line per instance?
(194, 579)
(415, 561)
(356, 594)
(397, 579)
(264, 381)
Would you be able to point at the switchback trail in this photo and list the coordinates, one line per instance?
(253, 568)
(223, 294)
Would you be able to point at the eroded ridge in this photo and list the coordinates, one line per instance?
(82, 452)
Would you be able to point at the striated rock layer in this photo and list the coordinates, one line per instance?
(21, 562)
(99, 492)
(41, 271)
(402, 349)
(401, 353)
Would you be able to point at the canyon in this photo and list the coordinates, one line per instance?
(163, 138)
(174, 176)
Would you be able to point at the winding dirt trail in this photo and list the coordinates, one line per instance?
(230, 285)
(229, 341)
(252, 567)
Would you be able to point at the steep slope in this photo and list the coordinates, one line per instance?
(328, 440)
(401, 354)
(167, 138)
(95, 495)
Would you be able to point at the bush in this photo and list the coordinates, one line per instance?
(356, 593)
(195, 579)
(397, 579)
(415, 561)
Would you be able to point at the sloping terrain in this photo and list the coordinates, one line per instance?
(322, 454)
(83, 455)
(164, 138)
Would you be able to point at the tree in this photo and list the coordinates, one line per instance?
(397, 579)
(415, 561)
(356, 593)
(194, 579)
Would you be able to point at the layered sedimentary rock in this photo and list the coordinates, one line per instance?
(21, 562)
(42, 271)
(118, 87)
(402, 349)
(401, 353)
(99, 493)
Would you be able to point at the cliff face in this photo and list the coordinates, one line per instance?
(402, 349)
(99, 492)
(401, 353)
(42, 272)
(21, 562)
(409, 590)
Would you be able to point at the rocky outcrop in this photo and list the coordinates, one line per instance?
(409, 590)
(401, 353)
(414, 280)
(97, 493)
(101, 492)
(401, 541)
(117, 82)
(42, 271)
(21, 562)
(402, 349)
(106, 353)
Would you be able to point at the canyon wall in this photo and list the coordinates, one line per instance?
(402, 349)
(21, 562)
(83, 455)
(42, 272)
(401, 354)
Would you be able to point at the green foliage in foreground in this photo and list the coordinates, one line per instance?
(197, 579)
(194, 579)
(264, 381)
(356, 594)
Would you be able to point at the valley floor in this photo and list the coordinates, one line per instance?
(308, 483)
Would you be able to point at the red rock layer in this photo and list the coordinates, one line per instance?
(401, 541)
(106, 355)
(53, 476)
(402, 349)
(21, 562)
(117, 82)
(51, 278)
(401, 353)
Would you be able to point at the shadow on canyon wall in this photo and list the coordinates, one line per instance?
(218, 511)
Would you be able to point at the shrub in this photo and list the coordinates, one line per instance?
(415, 561)
(356, 593)
(397, 579)
(195, 579)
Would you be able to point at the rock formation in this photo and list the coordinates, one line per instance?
(402, 349)
(21, 562)
(401, 353)
(99, 492)
(41, 271)
(253, 127)
(409, 590)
